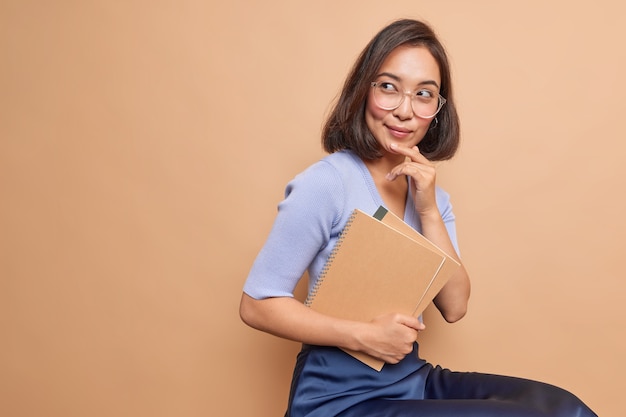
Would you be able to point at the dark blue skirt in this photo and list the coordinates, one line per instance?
(330, 383)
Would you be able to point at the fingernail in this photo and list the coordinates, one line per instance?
(390, 176)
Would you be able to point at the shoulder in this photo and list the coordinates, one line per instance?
(442, 195)
(444, 204)
(337, 162)
(317, 178)
(328, 175)
(318, 191)
(324, 187)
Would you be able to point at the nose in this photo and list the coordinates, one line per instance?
(405, 110)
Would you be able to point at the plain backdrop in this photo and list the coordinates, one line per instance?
(144, 146)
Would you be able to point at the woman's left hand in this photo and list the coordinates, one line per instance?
(422, 174)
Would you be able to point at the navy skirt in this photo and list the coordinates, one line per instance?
(330, 383)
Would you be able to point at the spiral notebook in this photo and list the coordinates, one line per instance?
(377, 267)
(450, 264)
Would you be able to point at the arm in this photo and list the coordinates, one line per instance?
(309, 218)
(453, 298)
(389, 337)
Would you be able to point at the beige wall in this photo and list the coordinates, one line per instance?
(144, 146)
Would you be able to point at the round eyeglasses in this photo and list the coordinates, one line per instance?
(425, 103)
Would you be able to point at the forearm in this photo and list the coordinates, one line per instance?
(389, 337)
(290, 319)
(453, 298)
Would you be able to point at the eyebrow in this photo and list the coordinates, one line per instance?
(395, 77)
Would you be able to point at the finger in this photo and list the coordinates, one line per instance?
(413, 153)
(411, 322)
(412, 169)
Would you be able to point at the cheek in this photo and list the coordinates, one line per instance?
(373, 113)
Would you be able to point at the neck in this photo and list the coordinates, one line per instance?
(381, 166)
(393, 193)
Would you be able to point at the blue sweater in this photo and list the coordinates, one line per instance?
(317, 205)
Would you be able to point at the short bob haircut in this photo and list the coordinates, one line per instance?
(345, 127)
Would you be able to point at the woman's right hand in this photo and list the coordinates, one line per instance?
(390, 337)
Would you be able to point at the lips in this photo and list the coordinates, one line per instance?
(398, 131)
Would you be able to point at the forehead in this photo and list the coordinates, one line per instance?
(411, 64)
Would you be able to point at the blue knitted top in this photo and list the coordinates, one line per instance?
(317, 204)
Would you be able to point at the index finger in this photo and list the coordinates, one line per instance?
(413, 153)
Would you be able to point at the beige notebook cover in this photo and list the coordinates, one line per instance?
(449, 267)
(375, 269)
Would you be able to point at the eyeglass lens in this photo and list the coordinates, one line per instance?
(425, 103)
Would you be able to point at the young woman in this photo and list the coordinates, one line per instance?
(395, 116)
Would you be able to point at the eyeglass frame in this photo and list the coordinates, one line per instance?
(441, 100)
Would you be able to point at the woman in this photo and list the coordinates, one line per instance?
(395, 116)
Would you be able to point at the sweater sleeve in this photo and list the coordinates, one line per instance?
(445, 208)
(306, 219)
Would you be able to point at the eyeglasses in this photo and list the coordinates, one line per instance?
(425, 103)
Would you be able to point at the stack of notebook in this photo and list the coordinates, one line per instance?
(380, 265)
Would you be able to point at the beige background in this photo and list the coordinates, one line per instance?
(144, 146)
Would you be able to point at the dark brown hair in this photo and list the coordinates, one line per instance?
(345, 127)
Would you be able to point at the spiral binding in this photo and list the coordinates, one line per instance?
(329, 261)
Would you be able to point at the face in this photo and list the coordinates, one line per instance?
(411, 69)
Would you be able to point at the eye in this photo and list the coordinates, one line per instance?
(426, 94)
(387, 87)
